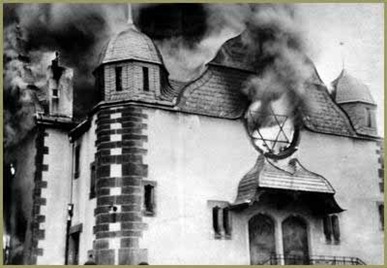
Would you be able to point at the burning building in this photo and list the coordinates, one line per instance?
(166, 172)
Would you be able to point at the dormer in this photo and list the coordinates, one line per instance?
(356, 100)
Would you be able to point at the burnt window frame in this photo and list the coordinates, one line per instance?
(118, 73)
(149, 199)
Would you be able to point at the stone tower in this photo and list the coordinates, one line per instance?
(130, 69)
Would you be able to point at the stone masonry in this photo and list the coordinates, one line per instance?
(121, 134)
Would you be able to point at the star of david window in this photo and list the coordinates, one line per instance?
(274, 135)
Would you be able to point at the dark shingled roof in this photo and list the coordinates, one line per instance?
(322, 114)
(291, 176)
(130, 44)
(350, 89)
(216, 93)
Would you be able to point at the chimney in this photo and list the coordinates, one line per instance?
(56, 69)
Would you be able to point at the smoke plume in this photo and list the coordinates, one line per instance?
(273, 34)
(32, 33)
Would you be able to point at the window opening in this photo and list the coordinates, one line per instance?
(149, 199)
(369, 117)
(77, 160)
(215, 221)
(327, 228)
(331, 228)
(145, 77)
(381, 215)
(92, 181)
(226, 222)
(118, 78)
(55, 93)
(336, 229)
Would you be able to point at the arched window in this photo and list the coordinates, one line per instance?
(262, 239)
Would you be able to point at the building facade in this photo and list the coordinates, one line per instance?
(166, 173)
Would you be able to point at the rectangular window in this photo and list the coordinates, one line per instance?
(215, 221)
(221, 219)
(149, 204)
(226, 222)
(118, 78)
(55, 93)
(77, 161)
(145, 78)
(331, 229)
(381, 215)
(93, 174)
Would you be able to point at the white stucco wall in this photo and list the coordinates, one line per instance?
(195, 159)
(351, 166)
(83, 205)
(57, 194)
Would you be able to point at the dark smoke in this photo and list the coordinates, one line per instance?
(188, 35)
(273, 34)
(77, 31)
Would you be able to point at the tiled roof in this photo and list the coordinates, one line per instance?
(216, 93)
(322, 115)
(130, 44)
(350, 89)
(291, 176)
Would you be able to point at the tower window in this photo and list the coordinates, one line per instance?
(77, 161)
(145, 78)
(118, 78)
(331, 228)
(368, 117)
(149, 204)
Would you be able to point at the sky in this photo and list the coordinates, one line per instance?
(360, 27)
(78, 31)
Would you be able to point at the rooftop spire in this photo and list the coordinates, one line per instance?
(342, 55)
(130, 15)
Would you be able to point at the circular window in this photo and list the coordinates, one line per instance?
(274, 135)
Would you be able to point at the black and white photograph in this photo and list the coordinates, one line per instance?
(193, 134)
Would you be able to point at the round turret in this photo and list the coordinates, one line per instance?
(350, 89)
(130, 44)
(355, 99)
(130, 67)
